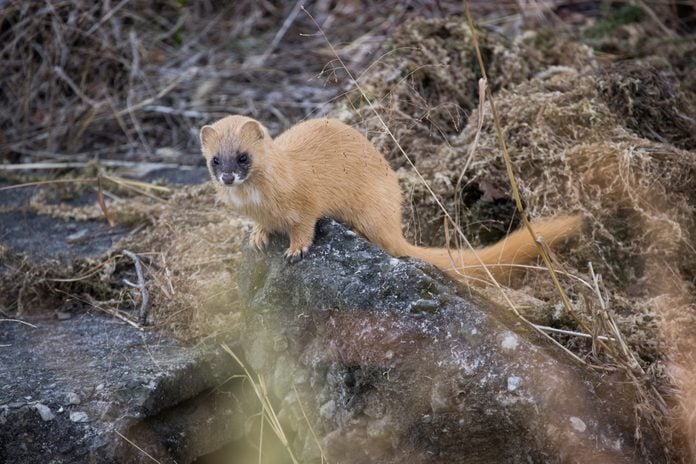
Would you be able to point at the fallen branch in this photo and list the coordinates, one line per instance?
(280, 34)
(146, 167)
(19, 322)
(142, 315)
(570, 332)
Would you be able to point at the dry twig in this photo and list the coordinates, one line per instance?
(144, 296)
(19, 321)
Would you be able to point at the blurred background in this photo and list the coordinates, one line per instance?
(134, 79)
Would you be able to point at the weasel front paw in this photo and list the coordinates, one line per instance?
(293, 255)
(301, 236)
(258, 238)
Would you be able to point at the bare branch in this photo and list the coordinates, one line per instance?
(142, 316)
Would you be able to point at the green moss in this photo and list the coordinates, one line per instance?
(357, 100)
(544, 40)
(6, 254)
(180, 12)
(614, 19)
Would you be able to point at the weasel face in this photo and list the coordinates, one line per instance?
(230, 147)
(230, 169)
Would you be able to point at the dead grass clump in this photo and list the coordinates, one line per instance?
(572, 154)
(648, 102)
(186, 244)
(609, 149)
(424, 88)
(57, 287)
(191, 246)
(425, 83)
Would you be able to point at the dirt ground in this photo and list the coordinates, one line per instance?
(597, 102)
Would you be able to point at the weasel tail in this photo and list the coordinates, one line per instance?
(323, 167)
(517, 248)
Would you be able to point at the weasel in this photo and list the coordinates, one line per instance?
(323, 167)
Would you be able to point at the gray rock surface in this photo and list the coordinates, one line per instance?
(391, 362)
(68, 388)
(42, 237)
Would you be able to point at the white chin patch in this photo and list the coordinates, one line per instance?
(232, 197)
(238, 198)
(236, 181)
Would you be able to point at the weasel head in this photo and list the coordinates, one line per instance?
(234, 148)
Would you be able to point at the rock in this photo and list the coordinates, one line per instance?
(385, 378)
(53, 238)
(45, 412)
(159, 393)
(72, 398)
(79, 416)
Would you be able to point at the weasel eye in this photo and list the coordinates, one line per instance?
(216, 160)
(243, 158)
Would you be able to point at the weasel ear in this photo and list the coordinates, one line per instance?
(252, 131)
(209, 137)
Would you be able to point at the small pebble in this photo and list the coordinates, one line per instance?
(79, 416)
(578, 424)
(45, 412)
(72, 398)
(509, 342)
(63, 316)
(77, 236)
(513, 383)
(328, 409)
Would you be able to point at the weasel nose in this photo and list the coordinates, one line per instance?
(227, 178)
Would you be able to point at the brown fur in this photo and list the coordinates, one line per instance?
(322, 167)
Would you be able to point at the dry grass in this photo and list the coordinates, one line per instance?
(268, 413)
(186, 244)
(135, 80)
(572, 152)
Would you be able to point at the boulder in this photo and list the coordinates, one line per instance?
(385, 360)
(93, 389)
